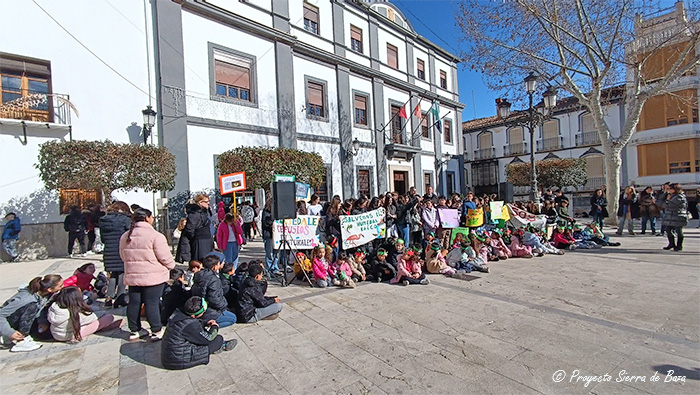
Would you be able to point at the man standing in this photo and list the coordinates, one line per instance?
(76, 225)
(430, 195)
(10, 234)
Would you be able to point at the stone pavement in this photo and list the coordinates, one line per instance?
(530, 326)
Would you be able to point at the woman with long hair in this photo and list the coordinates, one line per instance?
(72, 319)
(19, 314)
(675, 206)
(147, 265)
(648, 210)
(198, 228)
(390, 215)
(624, 211)
(112, 227)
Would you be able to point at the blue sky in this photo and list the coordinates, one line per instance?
(434, 20)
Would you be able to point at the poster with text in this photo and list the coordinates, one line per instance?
(301, 232)
(360, 229)
(475, 217)
(521, 218)
(449, 217)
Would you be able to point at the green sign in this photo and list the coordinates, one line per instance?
(284, 178)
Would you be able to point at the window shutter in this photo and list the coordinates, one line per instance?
(392, 56)
(360, 102)
(515, 136)
(587, 123)
(233, 75)
(355, 33)
(550, 130)
(315, 94)
(485, 141)
(594, 166)
(310, 12)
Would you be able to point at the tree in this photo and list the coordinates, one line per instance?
(550, 173)
(582, 47)
(106, 166)
(260, 165)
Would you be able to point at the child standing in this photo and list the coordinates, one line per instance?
(409, 271)
(322, 274)
(72, 319)
(189, 340)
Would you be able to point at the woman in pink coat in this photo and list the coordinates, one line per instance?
(147, 264)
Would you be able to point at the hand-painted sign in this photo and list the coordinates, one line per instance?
(301, 232)
(357, 230)
(233, 182)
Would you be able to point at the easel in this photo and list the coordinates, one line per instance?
(282, 258)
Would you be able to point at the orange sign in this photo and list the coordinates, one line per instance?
(233, 182)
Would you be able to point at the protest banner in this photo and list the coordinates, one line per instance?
(301, 232)
(520, 218)
(357, 230)
(449, 217)
(230, 183)
(475, 217)
(463, 231)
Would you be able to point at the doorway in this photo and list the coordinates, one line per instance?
(401, 182)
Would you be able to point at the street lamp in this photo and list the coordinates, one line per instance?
(355, 149)
(550, 101)
(149, 120)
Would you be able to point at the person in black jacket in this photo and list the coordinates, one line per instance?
(253, 305)
(174, 295)
(76, 225)
(380, 269)
(403, 216)
(207, 284)
(189, 339)
(267, 222)
(183, 252)
(112, 227)
(599, 207)
(198, 229)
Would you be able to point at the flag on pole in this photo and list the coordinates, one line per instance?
(435, 109)
(416, 111)
(402, 113)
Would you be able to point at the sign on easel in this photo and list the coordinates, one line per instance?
(231, 183)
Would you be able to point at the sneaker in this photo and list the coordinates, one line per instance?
(486, 269)
(404, 282)
(527, 256)
(632, 233)
(138, 334)
(425, 281)
(26, 345)
(155, 336)
(227, 346)
(678, 249)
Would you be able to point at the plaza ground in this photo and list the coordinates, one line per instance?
(627, 312)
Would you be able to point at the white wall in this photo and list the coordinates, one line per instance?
(331, 155)
(325, 24)
(387, 37)
(246, 9)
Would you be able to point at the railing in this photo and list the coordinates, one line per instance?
(550, 144)
(485, 153)
(587, 138)
(515, 149)
(52, 108)
(594, 183)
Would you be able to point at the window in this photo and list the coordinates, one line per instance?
(233, 77)
(311, 18)
(443, 79)
(485, 173)
(424, 127)
(450, 175)
(587, 123)
(360, 110)
(448, 131)
(396, 125)
(485, 141)
(325, 186)
(392, 56)
(594, 166)
(671, 109)
(81, 198)
(427, 181)
(315, 99)
(363, 182)
(670, 157)
(25, 78)
(420, 69)
(356, 39)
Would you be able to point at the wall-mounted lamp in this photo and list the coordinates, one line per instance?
(355, 149)
(149, 120)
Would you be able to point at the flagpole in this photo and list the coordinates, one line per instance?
(443, 117)
(382, 130)
(422, 117)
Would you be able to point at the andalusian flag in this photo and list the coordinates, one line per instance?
(435, 109)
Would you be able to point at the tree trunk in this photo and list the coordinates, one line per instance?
(613, 162)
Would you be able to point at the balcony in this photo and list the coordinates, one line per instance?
(53, 108)
(485, 153)
(587, 138)
(515, 149)
(551, 144)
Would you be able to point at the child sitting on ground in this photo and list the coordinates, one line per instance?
(517, 248)
(240, 275)
(189, 340)
(357, 265)
(562, 240)
(207, 284)
(538, 247)
(322, 273)
(174, 295)
(72, 319)
(457, 242)
(471, 260)
(342, 271)
(82, 278)
(499, 246)
(395, 252)
(409, 270)
(193, 268)
(302, 265)
(252, 304)
(435, 261)
(380, 267)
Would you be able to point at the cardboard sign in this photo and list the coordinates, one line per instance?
(230, 183)
(356, 230)
(456, 231)
(475, 217)
(302, 232)
(521, 218)
(498, 211)
(302, 190)
(449, 217)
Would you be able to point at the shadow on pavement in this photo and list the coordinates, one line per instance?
(690, 374)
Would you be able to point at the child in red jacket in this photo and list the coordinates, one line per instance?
(82, 278)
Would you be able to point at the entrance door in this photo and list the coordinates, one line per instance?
(401, 182)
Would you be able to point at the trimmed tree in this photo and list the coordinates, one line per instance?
(105, 166)
(583, 47)
(260, 165)
(550, 173)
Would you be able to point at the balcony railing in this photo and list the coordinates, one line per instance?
(550, 144)
(594, 183)
(515, 149)
(53, 108)
(485, 153)
(587, 138)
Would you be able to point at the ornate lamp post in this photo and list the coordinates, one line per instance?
(149, 120)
